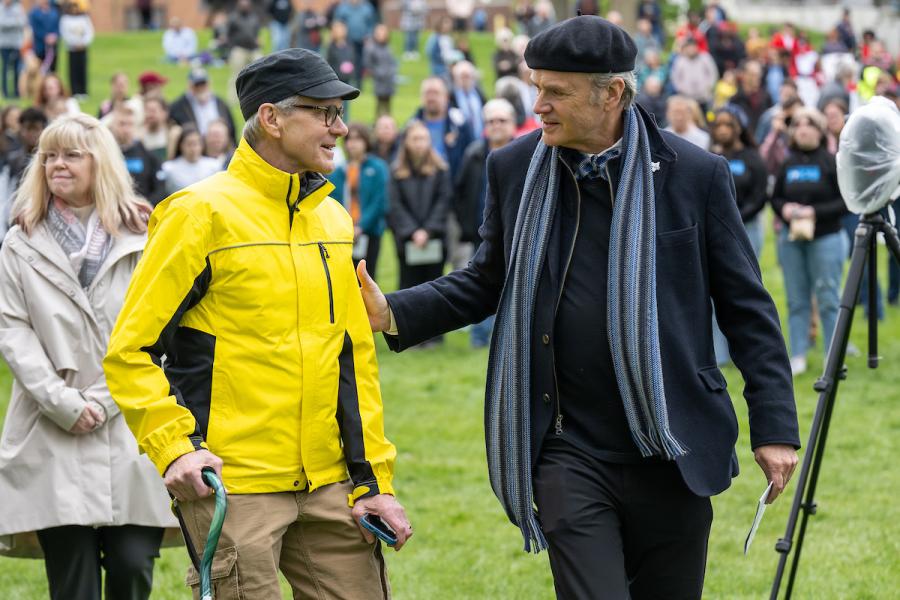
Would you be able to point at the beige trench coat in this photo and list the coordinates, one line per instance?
(53, 335)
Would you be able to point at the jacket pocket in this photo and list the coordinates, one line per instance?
(677, 237)
(225, 580)
(323, 252)
(712, 378)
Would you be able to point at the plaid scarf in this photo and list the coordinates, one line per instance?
(86, 248)
(631, 314)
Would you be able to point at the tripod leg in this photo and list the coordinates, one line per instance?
(827, 388)
(873, 303)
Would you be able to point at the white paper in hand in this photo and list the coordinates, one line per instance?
(760, 511)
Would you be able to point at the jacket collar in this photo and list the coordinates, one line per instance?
(275, 184)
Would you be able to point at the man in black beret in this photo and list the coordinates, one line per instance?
(247, 287)
(606, 243)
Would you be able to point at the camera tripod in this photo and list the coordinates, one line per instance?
(864, 250)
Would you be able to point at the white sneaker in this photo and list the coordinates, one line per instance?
(798, 365)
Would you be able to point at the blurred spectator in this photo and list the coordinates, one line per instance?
(9, 131)
(833, 43)
(845, 31)
(651, 67)
(806, 71)
(511, 90)
(732, 138)
(727, 49)
(467, 96)
(756, 45)
(812, 247)
(470, 188)
(842, 87)
(694, 73)
(835, 111)
(680, 115)
(32, 122)
(448, 130)
(650, 10)
(281, 13)
(53, 98)
(151, 84)
(690, 30)
(199, 106)
(118, 94)
(44, 22)
(218, 143)
(751, 96)
(777, 66)
(386, 142)
(413, 14)
(880, 57)
(440, 49)
(785, 41)
(868, 37)
(587, 7)
(726, 87)
(189, 165)
(145, 11)
(77, 31)
(157, 134)
(382, 66)
(652, 99)
(12, 36)
(776, 145)
(419, 200)
(179, 42)
(243, 30)
(306, 30)
(616, 18)
(341, 59)
(141, 164)
(544, 17)
(218, 43)
(645, 40)
(361, 186)
(461, 12)
(360, 19)
(506, 60)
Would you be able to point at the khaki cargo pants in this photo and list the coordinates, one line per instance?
(310, 537)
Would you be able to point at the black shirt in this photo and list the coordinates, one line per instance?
(749, 174)
(593, 414)
(810, 178)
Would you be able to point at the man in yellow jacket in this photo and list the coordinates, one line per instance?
(244, 345)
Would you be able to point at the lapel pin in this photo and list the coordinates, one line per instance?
(654, 167)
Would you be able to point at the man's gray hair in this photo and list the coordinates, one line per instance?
(501, 104)
(601, 81)
(253, 129)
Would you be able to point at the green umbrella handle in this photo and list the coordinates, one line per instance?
(215, 530)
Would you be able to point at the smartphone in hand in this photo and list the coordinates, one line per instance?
(378, 527)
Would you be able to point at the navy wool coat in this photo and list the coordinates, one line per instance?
(702, 255)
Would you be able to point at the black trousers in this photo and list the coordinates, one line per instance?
(78, 72)
(620, 531)
(73, 556)
(372, 252)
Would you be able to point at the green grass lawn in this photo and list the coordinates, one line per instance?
(465, 548)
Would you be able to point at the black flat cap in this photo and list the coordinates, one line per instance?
(291, 72)
(585, 44)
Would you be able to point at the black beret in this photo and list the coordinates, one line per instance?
(585, 44)
(291, 72)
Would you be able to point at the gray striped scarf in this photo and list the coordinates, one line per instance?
(631, 315)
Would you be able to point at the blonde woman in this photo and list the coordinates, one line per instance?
(69, 467)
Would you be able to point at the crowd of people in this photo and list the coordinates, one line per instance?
(769, 102)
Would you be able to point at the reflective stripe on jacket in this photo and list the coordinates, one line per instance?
(247, 288)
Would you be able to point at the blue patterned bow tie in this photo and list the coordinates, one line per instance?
(594, 165)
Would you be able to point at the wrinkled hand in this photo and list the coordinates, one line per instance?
(90, 419)
(420, 237)
(183, 479)
(390, 511)
(778, 462)
(376, 303)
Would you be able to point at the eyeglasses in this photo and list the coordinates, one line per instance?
(331, 112)
(70, 157)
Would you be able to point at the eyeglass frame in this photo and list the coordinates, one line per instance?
(338, 110)
(45, 160)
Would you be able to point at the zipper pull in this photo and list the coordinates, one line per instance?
(559, 428)
(323, 250)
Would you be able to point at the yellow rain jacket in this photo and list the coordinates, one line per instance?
(244, 332)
